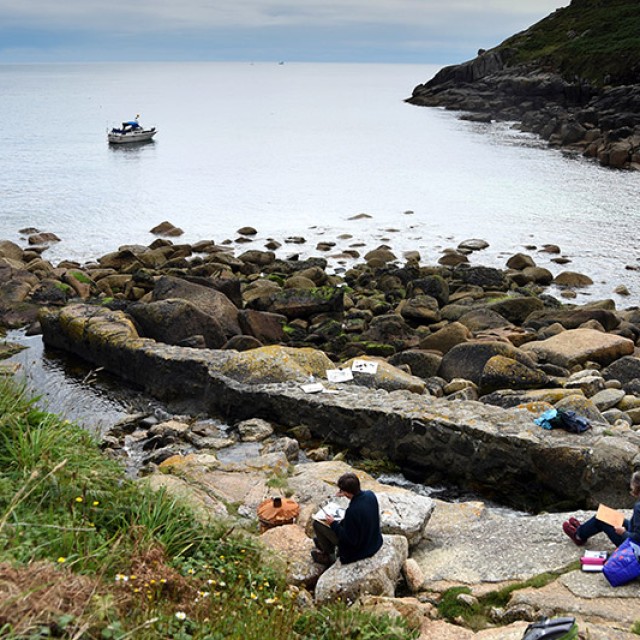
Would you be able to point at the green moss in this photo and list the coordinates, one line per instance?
(81, 277)
(379, 349)
(376, 467)
(325, 293)
(65, 288)
(277, 278)
(476, 614)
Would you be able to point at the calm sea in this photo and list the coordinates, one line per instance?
(297, 150)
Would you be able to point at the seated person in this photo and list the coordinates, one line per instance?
(581, 532)
(357, 536)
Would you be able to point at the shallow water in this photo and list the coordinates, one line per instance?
(297, 149)
(70, 387)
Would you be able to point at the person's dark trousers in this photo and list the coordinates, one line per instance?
(326, 539)
(593, 526)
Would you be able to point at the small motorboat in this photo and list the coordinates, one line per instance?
(130, 131)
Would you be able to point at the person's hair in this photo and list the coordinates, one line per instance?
(349, 483)
(635, 483)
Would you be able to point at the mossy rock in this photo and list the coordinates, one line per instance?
(379, 349)
(275, 364)
(501, 372)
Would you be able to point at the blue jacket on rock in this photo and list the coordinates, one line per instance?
(359, 535)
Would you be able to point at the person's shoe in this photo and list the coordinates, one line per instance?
(321, 557)
(574, 522)
(571, 531)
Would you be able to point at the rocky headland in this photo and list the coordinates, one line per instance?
(466, 357)
(572, 78)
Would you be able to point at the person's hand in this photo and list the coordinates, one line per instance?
(619, 530)
(329, 519)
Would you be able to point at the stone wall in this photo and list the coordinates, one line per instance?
(498, 452)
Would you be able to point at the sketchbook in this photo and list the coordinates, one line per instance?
(610, 516)
(331, 509)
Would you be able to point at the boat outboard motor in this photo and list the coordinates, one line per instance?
(552, 629)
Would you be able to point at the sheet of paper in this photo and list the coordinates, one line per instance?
(332, 509)
(609, 515)
(364, 366)
(312, 387)
(339, 375)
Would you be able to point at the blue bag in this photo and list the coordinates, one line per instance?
(623, 564)
(571, 421)
(547, 419)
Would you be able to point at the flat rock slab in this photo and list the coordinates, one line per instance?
(577, 346)
(556, 599)
(470, 543)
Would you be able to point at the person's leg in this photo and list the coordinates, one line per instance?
(593, 526)
(326, 540)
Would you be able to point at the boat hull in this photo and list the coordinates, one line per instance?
(131, 136)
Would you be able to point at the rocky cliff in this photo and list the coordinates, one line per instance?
(573, 78)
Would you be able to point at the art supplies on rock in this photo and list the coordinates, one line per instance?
(339, 375)
(593, 561)
(365, 366)
(313, 387)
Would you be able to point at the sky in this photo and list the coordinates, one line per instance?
(409, 31)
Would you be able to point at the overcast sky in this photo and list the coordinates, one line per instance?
(421, 31)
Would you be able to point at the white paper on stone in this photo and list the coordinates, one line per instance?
(339, 375)
(364, 366)
(313, 387)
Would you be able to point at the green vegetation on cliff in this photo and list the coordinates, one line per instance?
(595, 40)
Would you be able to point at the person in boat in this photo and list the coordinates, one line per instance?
(581, 532)
(357, 536)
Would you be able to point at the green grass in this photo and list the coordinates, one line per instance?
(92, 555)
(339, 622)
(590, 39)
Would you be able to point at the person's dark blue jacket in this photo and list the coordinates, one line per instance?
(358, 532)
(632, 525)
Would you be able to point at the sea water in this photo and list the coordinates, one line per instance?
(297, 150)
